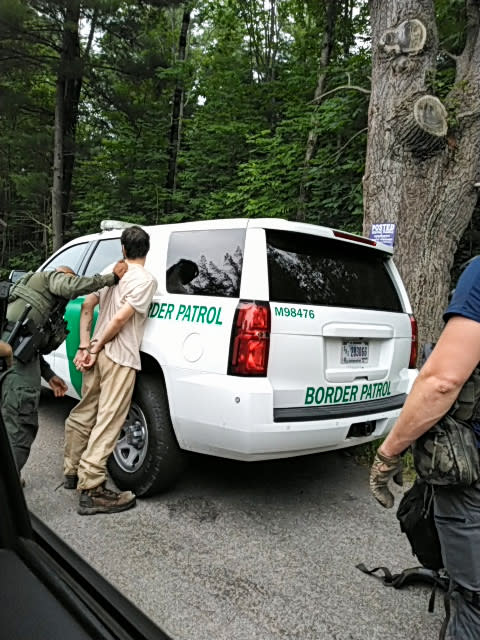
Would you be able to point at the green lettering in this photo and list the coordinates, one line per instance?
(368, 394)
(364, 391)
(181, 311)
(169, 311)
(161, 311)
(329, 395)
(338, 394)
(309, 395)
(152, 312)
(195, 309)
(353, 393)
(217, 319)
(346, 392)
(386, 388)
(188, 310)
(211, 318)
(201, 314)
(319, 396)
(278, 311)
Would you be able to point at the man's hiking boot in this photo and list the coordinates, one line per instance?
(102, 500)
(70, 482)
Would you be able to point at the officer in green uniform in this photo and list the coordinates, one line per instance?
(47, 293)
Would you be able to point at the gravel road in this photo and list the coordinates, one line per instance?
(242, 551)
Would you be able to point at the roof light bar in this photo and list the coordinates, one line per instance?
(111, 225)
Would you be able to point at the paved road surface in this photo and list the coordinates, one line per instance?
(244, 551)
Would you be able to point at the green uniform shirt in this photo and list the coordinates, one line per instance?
(56, 287)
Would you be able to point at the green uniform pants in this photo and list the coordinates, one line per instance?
(20, 399)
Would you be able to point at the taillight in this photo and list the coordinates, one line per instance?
(414, 347)
(250, 340)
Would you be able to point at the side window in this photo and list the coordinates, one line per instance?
(106, 252)
(206, 263)
(70, 257)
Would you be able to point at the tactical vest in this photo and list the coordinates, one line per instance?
(447, 454)
(50, 308)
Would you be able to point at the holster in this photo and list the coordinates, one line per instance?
(26, 344)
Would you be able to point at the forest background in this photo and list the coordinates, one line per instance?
(157, 112)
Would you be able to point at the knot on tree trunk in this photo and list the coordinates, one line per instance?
(423, 130)
(408, 37)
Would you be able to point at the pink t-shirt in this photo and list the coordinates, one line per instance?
(137, 287)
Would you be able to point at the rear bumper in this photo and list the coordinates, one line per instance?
(213, 416)
(329, 412)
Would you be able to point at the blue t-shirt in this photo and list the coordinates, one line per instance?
(466, 302)
(466, 298)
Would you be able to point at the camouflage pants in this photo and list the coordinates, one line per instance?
(20, 398)
(457, 516)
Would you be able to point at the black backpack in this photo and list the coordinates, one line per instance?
(415, 514)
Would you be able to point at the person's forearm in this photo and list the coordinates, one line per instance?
(428, 401)
(46, 371)
(70, 287)
(110, 331)
(86, 320)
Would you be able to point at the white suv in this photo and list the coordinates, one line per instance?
(265, 339)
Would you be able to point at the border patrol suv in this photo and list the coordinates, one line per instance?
(265, 339)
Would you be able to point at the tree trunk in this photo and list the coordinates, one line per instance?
(177, 110)
(420, 171)
(312, 140)
(57, 186)
(74, 65)
(69, 84)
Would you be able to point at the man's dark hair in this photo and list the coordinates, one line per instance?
(136, 242)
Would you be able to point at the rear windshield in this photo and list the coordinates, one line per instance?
(308, 269)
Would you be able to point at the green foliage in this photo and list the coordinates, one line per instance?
(249, 80)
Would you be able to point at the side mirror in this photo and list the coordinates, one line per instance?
(15, 275)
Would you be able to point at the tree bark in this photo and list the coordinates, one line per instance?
(57, 186)
(312, 140)
(177, 110)
(422, 162)
(69, 85)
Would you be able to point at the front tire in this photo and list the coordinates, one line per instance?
(147, 458)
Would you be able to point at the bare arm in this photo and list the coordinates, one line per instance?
(86, 319)
(122, 316)
(125, 312)
(439, 382)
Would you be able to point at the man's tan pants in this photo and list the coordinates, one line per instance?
(92, 428)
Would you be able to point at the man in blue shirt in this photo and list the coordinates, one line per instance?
(457, 509)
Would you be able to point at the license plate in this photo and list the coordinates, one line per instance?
(354, 352)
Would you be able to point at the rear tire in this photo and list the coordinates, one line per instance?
(147, 458)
